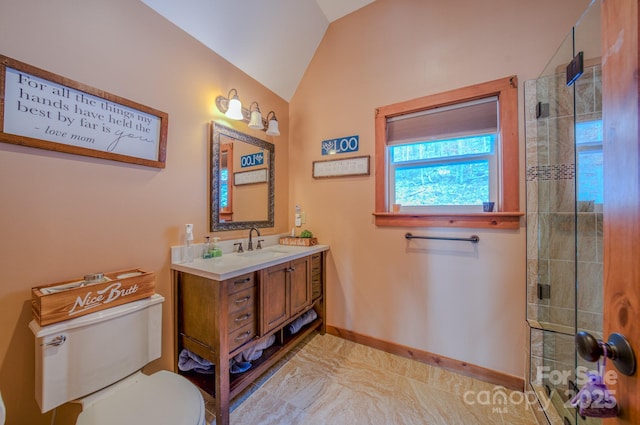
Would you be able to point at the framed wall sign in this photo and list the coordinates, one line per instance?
(252, 160)
(44, 110)
(250, 177)
(340, 145)
(354, 166)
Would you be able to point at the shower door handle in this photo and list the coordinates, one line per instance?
(617, 348)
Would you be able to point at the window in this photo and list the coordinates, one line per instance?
(444, 159)
(589, 137)
(224, 188)
(443, 155)
(455, 174)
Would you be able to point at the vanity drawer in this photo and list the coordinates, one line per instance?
(242, 300)
(241, 318)
(240, 282)
(242, 335)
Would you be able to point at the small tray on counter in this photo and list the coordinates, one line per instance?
(297, 241)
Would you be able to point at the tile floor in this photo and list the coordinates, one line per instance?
(332, 381)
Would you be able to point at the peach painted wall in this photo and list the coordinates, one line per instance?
(453, 299)
(62, 215)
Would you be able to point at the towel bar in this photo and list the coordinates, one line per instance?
(472, 239)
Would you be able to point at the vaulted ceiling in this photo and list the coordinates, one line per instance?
(273, 41)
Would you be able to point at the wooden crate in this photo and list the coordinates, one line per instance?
(288, 240)
(121, 287)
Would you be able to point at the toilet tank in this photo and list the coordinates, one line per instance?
(82, 355)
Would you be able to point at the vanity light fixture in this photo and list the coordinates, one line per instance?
(256, 117)
(272, 130)
(234, 106)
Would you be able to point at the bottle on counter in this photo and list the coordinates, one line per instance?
(207, 249)
(187, 256)
(216, 251)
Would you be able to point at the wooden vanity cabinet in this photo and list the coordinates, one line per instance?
(219, 319)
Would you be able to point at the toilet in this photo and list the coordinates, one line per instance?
(96, 361)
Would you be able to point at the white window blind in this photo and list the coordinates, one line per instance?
(460, 120)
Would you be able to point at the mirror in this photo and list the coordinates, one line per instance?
(241, 181)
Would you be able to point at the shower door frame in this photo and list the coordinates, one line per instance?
(620, 99)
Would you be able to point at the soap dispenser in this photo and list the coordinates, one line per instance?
(207, 249)
(188, 248)
(216, 251)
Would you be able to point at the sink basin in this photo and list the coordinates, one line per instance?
(262, 254)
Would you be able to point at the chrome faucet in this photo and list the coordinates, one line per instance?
(250, 246)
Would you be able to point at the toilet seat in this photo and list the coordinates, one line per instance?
(164, 398)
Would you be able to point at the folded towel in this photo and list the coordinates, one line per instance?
(253, 353)
(266, 342)
(239, 367)
(306, 318)
(191, 361)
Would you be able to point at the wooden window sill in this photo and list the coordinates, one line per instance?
(489, 220)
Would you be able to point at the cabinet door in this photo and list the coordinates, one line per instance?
(197, 298)
(274, 299)
(300, 285)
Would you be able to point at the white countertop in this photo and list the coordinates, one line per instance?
(234, 264)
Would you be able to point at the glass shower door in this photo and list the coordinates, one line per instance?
(564, 217)
(589, 137)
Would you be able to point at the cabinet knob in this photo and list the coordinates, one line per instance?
(243, 300)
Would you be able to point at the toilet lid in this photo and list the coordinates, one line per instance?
(164, 398)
